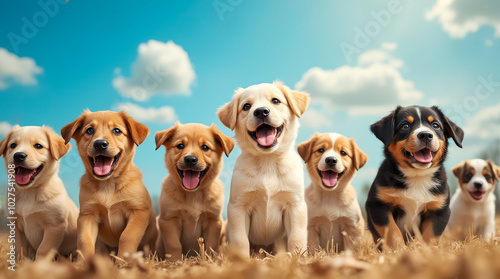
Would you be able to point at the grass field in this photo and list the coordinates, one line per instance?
(473, 258)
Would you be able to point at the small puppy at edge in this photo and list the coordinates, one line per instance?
(115, 207)
(473, 204)
(333, 208)
(192, 196)
(266, 204)
(46, 216)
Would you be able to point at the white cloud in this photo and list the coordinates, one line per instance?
(164, 114)
(5, 128)
(485, 124)
(460, 17)
(374, 86)
(315, 119)
(15, 69)
(160, 69)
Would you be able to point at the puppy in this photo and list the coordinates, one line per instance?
(410, 190)
(46, 216)
(192, 196)
(473, 204)
(115, 206)
(266, 203)
(333, 207)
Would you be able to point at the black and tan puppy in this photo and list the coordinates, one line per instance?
(410, 190)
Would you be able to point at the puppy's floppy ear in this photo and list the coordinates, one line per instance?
(384, 128)
(228, 113)
(57, 145)
(161, 137)
(451, 130)
(359, 156)
(297, 100)
(5, 141)
(69, 130)
(226, 142)
(138, 132)
(495, 169)
(305, 148)
(458, 170)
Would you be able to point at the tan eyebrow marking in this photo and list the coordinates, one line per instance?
(410, 119)
(430, 118)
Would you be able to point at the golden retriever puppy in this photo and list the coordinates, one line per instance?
(266, 203)
(115, 206)
(192, 198)
(333, 210)
(46, 216)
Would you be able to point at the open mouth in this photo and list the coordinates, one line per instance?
(266, 136)
(25, 176)
(103, 166)
(477, 195)
(191, 179)
(330, 178)
(423, 156)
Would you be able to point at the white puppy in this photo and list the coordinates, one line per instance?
(266, 203)
(473, 204)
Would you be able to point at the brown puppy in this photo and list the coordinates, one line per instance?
(192, 197)
(115, 206)
(46, 216)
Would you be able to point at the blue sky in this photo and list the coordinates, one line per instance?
(416, 55)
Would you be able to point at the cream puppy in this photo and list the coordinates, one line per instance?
(266, 203)
(333, 208)
(46, 216)
(473, 204)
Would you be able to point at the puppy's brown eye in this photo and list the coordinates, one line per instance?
(247, 106)
(180, 146)
(276, 101)
(117, 131)
(90, 131)
(435, 125)
(321, 150)
(487, 177)
(405, 126)
(469, 175)
(205, 147)
(343, 153)
(38, 146)
(14, 145)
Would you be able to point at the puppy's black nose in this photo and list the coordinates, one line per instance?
(478, 185)
(101, 145)
(190, 160)
(425, 136)
(331, 161)
(261, 113)
(20, 156)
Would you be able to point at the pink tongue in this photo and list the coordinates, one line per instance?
(423, 156)
(191, 179)
(265, 136)
(477, 194)
(23, 176)
(102, 165)
(329, 178)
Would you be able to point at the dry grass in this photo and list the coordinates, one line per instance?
(473, 258)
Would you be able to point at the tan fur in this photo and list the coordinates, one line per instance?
(46, 216)
(186, 215)
(333, 212)
(116, 209)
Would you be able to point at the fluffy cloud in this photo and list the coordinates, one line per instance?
(15, 69)
(485, 124)
(460, 17)
(315, 119)
(160, 69)
(164, 114)
(5, 128)
(374, 86)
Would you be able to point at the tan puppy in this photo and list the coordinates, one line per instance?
(333, 208)
(192, 198)
(473, 204)
(46, 216)
(266, 203)
(115, 206)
